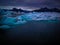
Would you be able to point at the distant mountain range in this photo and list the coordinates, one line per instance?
(47, 10)
(36, 10)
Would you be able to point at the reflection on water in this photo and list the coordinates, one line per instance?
(33, 31)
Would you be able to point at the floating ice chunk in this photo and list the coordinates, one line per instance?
(9, 20)
(4, 26)
(20, 20)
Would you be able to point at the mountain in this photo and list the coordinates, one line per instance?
(47, 10)
(21, 10)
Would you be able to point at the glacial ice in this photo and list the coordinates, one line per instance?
(21, 19)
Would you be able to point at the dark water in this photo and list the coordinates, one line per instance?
(32, 32)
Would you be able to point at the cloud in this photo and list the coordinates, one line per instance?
(31, 3)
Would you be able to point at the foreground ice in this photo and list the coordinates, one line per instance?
(21, 19)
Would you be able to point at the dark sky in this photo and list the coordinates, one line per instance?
(31, 3)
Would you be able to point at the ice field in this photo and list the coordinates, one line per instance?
(25, 17)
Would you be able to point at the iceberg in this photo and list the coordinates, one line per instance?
(5, 27)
